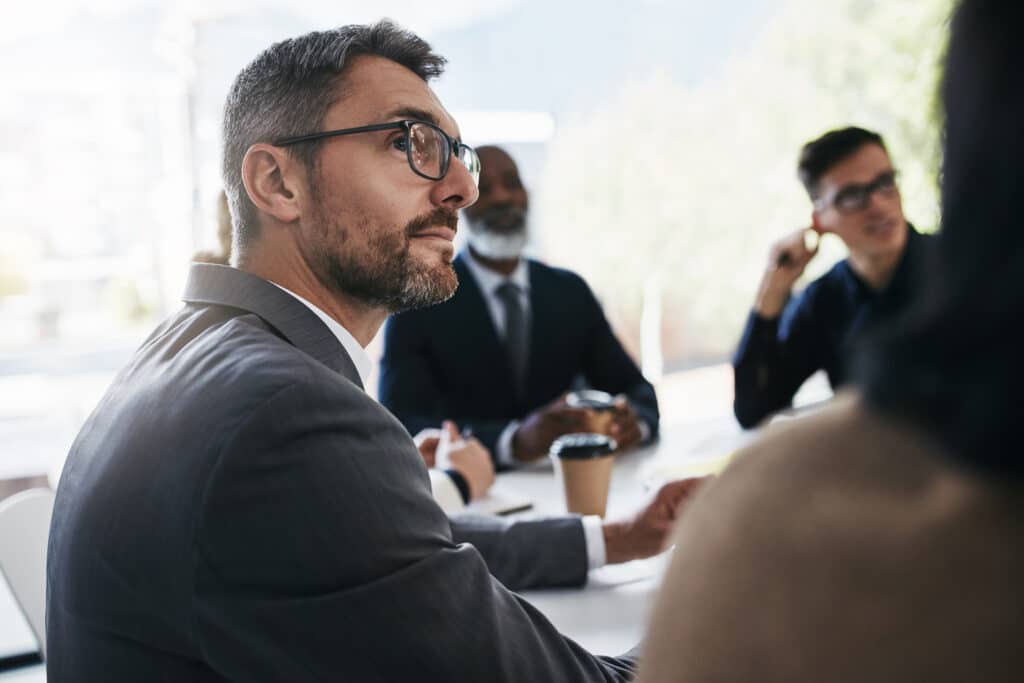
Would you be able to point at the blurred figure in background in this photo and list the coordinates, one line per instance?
(853, 187)
(498, 356)
(882, 539)
(461, 469)
(223, 254)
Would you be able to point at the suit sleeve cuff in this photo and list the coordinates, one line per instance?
(593, 535)
(446, 493)
(503, 449)
(645, 431)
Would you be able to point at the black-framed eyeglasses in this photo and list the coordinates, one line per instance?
(853, 198)
(428, 149)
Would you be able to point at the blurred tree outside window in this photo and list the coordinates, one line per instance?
(685, 189)
(661, 169)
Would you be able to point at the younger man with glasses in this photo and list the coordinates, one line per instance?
(852, 184)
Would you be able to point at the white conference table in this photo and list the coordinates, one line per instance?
(609, 614)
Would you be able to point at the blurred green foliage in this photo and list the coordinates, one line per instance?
(691, 186)
(13, 280)
(126, 302)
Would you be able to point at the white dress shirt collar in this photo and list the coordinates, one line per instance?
(489, 280)
(355, 351)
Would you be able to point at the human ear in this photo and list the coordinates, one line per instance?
(272, 182)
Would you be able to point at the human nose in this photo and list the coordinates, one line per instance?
(457, 189)
(878, 199)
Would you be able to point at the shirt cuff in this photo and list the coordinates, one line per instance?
(446, 493)
(593, 535)
(460, 483)
(645, 431)
(503, 449)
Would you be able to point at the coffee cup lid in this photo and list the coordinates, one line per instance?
(590, 398)
(582, 446)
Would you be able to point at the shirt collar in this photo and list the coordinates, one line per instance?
(898, 282)
(355, 351)
(489, 280)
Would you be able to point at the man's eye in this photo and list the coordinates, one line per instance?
(850, 197)
(400, 143)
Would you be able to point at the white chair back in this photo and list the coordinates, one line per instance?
(24, 532)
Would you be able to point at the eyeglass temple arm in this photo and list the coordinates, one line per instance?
(294, 140)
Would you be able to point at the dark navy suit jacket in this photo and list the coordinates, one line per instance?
(448, 362)
(238, 509)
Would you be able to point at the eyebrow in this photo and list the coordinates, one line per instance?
(419, 114)
(891, 171)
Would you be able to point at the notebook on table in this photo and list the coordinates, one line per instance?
(499, 501)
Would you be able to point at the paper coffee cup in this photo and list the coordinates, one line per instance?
(583, 466)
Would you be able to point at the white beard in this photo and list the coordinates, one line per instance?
(495, 245)
(498, 247)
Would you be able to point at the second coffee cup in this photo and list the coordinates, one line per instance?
(583, 465)
(599, 403)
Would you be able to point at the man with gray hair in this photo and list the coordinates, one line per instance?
(237, 508)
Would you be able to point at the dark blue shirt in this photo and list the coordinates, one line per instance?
(816, 331)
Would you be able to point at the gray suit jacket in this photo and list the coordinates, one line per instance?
(237, 508)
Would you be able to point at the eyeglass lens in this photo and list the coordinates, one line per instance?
(857, 197)
(428, 150)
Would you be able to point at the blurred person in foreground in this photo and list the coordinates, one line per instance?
(237, 508)
(855, 195)
(517, 335)
(883, 540)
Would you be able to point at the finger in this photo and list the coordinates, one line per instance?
(816, 225)
(429, 443)
(675, 491)
(812, 239)
(451, 429)
(624, 427)
(562, 400)
(627, 421)
(569, 415)
(631, 437)
(425, 434)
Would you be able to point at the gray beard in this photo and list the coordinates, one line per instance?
(492, 245)
(383, 274)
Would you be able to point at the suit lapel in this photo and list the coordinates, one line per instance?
(226, 286)
(543, 320)
(473, 314)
